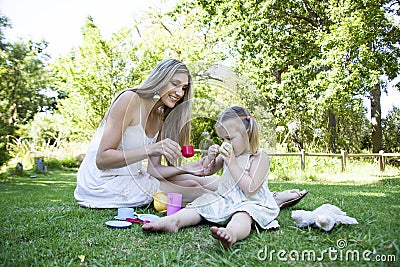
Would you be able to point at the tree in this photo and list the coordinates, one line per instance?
(23, 77)
(313, 60)
(365, 42)
(91, 75)
(4, 129)
(95, 71)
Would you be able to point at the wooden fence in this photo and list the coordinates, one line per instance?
(381, 156)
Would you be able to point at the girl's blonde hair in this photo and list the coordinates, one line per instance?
(250, 124)
(176, 121)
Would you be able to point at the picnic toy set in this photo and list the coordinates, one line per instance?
(170, 203)
(126, 216)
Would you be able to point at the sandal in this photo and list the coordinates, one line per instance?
(291, 202)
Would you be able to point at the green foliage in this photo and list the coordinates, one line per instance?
(391, 131)
(302, 67)
(52, 164)
(70, 162)
(23, 79)
(91, 75)
(19, 149)
(95, 71)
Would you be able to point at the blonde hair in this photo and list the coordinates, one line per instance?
(176, 121)
(250, 124)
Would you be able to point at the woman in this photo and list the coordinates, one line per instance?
(146, 122)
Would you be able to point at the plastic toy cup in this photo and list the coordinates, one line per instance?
(188, 151)
(124, 213)
(160, 201)
(174, 203)
(224, 146)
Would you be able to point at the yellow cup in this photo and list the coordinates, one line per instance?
(160, 201)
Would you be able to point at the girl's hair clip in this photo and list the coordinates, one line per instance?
(248, 117)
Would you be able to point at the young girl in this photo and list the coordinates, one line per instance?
(243, 197)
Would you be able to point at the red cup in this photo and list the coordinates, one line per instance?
(188, 151)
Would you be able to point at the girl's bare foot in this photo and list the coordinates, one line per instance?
(162, 225)
(223, 235)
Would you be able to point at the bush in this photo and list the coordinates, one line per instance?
(52, 164)
(70, 163)
(58, 164)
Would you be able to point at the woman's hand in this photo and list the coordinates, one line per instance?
(195, 168)
(198, 168)
(167, 147)
(211, 168)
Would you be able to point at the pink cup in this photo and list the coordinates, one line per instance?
(174, 203)
(188, 151)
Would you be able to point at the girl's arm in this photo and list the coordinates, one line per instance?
(252, 181)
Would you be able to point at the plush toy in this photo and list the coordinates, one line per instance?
(323, 217)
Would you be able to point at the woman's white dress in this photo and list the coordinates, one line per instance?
(129, 186)
(219, 206)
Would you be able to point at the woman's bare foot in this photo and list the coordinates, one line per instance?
(162, 225)
(289, 198)
(223, 235)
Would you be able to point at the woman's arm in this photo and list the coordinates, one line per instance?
(202, 167)
(123, 113)
(156, 169)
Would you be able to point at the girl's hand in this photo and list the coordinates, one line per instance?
(167, 147)
(226, 152)
(213, 152)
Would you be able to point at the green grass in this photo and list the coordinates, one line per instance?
(43, 226)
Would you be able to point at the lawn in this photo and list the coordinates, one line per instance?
(43, 226)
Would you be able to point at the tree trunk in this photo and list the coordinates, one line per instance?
(375, 96)
(332, 131)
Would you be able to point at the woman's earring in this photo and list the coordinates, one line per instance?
(156, 97)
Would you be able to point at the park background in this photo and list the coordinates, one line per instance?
(315, 74)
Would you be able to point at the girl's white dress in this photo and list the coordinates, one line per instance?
(129, 186)
(219, 206)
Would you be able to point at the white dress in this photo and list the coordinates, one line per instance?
(219, 206)
(129, 186)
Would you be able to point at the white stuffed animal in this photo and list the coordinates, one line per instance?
(324, 217)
